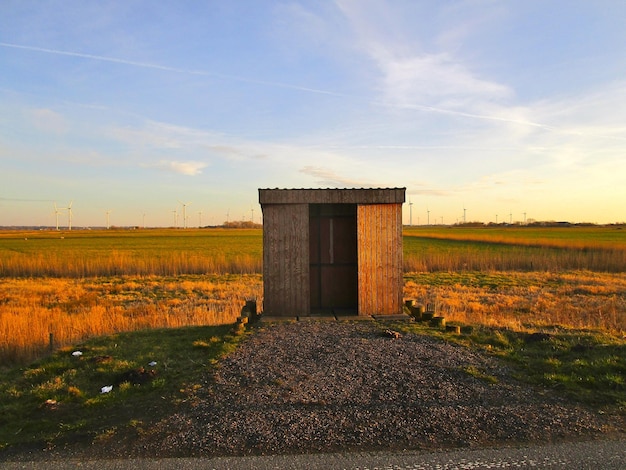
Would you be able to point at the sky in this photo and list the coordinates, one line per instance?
(163, 113)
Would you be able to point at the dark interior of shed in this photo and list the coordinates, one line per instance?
(333, 259)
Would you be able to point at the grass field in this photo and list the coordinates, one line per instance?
(573, 236)
(81, 284)
(86, 253)
(126, 298)
(516, 248)
(79, 254)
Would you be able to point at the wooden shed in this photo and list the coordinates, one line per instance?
(332, 251)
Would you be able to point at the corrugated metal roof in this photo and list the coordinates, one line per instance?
(329, 189)
(332, 196)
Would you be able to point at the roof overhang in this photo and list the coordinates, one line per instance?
(333, 196)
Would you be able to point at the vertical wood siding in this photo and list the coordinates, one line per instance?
(286, 259)
(379, 241)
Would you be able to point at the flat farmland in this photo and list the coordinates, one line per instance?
(80, 284)
(85, 253)
(515, 248)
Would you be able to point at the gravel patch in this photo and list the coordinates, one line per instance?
(327, 386)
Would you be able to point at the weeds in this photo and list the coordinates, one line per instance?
(61, 395)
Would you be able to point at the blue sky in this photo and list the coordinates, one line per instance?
(503, 108)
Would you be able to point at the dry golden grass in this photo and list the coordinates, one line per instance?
(74, 309)
(117, 262)
(525, 300)
(87, 284)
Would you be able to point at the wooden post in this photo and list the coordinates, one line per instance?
(438, 322)
(417, 311)
(251, 306)
(51, 342)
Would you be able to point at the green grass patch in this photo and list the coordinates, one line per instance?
(586, 236)
(489, 280)
(59, 398)
(586, 366)
(479, 374)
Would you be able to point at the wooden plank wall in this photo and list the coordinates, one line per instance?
(286, 289)
(379, 238)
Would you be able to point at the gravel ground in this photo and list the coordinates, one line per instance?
(345, 386)
(327, 386)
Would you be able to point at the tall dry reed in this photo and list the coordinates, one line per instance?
(517, 258)
(75, 309)
(118, 262)
(518, 300)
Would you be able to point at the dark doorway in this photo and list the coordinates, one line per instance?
(333, 258)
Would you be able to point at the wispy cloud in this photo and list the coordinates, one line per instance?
(161, 136)
(412, 68)
(189, 168)
(242, 151)
(431, 83)
(432, 192)
(48, 120)
(432, 78)
(327, 177)
(10, 199)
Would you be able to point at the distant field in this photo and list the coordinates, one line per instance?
(564, 237)
(87, 253)
(595, 248)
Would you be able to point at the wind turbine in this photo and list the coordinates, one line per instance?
(199, 219)
(107, 213)
(175, 218)
(227, 215)
(56, 214)
(69, 215)
(428, 216)
(252, 216)
(410, 213)
(464, 213)
(184, 204)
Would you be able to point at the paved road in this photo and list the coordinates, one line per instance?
(605, 455)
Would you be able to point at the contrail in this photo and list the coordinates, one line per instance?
(24, 200)
(417, 107)
(167, 68)
(486, 117)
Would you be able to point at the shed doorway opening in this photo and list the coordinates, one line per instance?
(333, 259)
